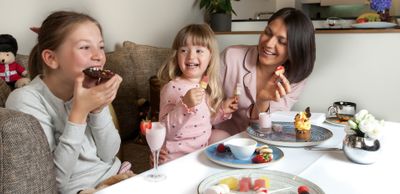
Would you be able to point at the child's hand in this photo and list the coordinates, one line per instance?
(86, 100)
(230, 105)
(193, 97)
(275, 88)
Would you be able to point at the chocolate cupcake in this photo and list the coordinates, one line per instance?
(99, 74)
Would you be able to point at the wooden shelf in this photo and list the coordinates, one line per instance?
(324, 31)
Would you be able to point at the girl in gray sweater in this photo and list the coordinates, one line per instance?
(71, 107)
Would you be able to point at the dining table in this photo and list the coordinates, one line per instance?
(330, 169)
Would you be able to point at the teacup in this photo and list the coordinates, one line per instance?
(344, 111)
(242, 148)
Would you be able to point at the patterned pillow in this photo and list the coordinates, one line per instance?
(125, 101)
(147, 60)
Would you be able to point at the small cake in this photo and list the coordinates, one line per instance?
(279, 70)
(204, 82)
(302, 125)
(232, 182)
(97, 73)
(218, 189)
(245, 184)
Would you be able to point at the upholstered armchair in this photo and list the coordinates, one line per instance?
(26, 163)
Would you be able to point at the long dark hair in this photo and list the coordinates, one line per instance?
(301, 43)
(51, 35)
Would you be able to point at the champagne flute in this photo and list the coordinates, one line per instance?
(155, 139)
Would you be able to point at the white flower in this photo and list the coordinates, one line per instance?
(365, 125)
(360, 115)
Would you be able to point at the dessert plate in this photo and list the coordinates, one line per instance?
(280, 182)
(374, 25)
(287, 135)
(336, 121)
(227, 158)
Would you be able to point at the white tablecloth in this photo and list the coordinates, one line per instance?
(330, 170)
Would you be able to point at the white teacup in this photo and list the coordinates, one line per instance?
(242, 148)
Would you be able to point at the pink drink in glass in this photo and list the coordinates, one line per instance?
(155, 138)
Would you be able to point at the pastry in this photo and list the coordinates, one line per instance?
(97, 73)
(302, 125)
(204, 82)
(236, 92)
(279, 70)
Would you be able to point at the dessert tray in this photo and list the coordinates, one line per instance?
(279, 182)
(227, 158)
(287, 135)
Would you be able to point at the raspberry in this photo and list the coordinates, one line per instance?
(303, 190)
(221, 148)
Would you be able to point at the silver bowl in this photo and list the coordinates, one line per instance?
(361, 150)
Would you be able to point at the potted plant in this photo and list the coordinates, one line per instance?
(361, 144)
(219, 13)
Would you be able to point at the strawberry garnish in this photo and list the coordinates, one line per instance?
(144, 125)
(221, 148)
(303, 190)
(258, 159)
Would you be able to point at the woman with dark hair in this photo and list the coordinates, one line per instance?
(289, 41)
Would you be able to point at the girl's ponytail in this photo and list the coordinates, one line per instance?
(35, 62)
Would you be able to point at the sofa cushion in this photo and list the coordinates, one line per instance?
(124, 104)
(147, 60)
(4, 92)
(22, 60)
(26, 163)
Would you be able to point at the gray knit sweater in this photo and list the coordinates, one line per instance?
(84, 154)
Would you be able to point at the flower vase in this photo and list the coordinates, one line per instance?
(361, 150)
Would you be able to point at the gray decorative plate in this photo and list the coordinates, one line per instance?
(227, 158)
(280, 182)
(287, 135)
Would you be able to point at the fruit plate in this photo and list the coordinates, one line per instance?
(336, 121)
(287, 135)
(280, 182)
(227, 158)
(374, 25)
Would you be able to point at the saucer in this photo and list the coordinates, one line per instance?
(336, 121)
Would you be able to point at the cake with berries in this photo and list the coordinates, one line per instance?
(302, 125)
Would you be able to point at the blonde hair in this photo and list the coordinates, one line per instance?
(202, 35)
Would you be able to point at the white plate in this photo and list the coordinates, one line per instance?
(278, 180)
(227, 158)
(374, 25)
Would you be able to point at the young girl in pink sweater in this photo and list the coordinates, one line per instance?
(191, 100)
